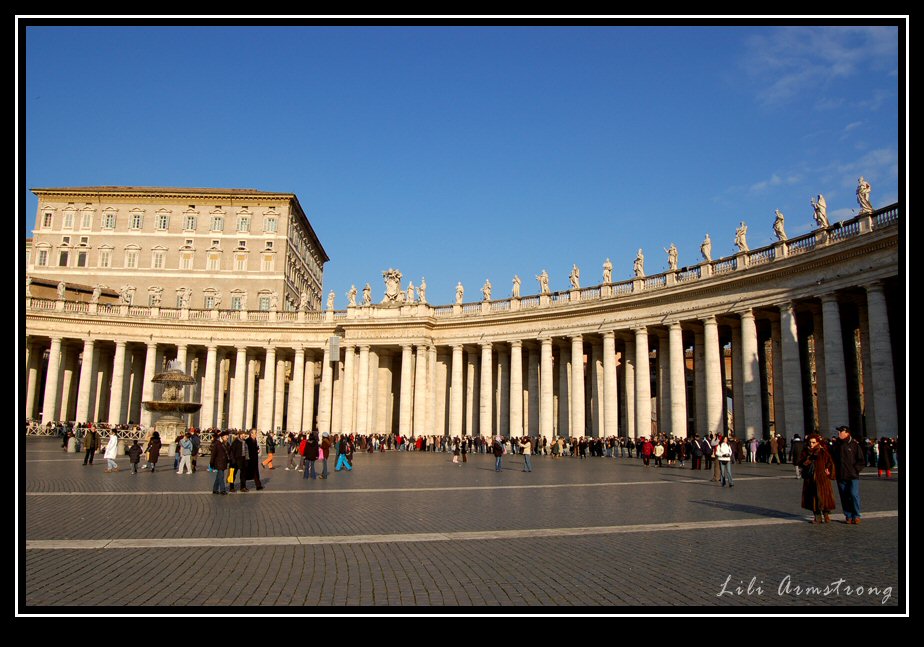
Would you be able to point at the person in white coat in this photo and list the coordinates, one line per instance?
(112, 449)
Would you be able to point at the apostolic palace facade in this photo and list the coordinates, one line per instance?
(801, 335)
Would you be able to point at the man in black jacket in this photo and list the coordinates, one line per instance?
(219, 462)
(849, 461)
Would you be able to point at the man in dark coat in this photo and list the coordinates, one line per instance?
(238, 461)
(849, 461)
(796, 453)
(252, 468)
(219, 461)
(90, 444)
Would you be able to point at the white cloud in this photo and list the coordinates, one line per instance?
(774, 180)
(791, 62)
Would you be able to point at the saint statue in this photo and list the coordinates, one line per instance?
(486, 290)
(184, 297)
(330, 300)
(351, 296)
(516, 287)
(741, 237)
(543, 279)
(706, 249)
(274, 300)
(154, 295)
(422, 290)
(410, 292)
(303, 301)
(575, 277)
(672, 257)
(125, 294)
(821, 211)
(29, 286)
(460, 292)
(778, 226)
(97, 293)
(607, 271)
(62, 288)
(863, 191)
(367, 295)
(638, 267)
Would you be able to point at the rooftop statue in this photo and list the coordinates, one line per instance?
(672, 257)
(330, 300)
(575, 277)
(741, 237)
(543, 279)
(515, 293)
(460, 293)
(410, 292)
(367, 295)
(351, 296)
(422, 290)
(863, 191)
(393, 292)
(486, 290)
(706, 249)
(778, 226)
(607, 271)
(821, 211)
(638, 266)
(303, 301)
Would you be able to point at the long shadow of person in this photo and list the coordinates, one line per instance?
(749, 509)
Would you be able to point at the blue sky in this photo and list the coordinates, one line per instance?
(466, 153)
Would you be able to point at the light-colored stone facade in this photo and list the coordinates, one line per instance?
(237, 249)
(746, 343)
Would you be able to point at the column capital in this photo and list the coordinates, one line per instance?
(486, 345)
(516, 343)
(364, 348)
(674, 325)
(576, 338)
(546, 341)
(874, 286)
(710, 320)
(609, 334)
(829, 297)
(746, 314)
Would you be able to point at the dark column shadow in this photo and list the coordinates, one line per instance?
(750, 509)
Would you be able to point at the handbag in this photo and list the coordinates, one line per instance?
(231, 475)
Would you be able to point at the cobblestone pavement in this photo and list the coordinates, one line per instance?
(412, 529)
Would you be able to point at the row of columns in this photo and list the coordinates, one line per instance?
(355, 395)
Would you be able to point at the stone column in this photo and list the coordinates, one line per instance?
(471, 423)
(133, 397)
(835, 370)
(502, 398)
(67, 387)
(181, 352)
(642, 385)
(251, 393)
(86, 381)
(564, 390)
(884, 399)
(678, 381)
(407, 395)
(102, 374)
(240, 388)
(223, 421)
(207, 419)
(516, 388)
(147, 390)
(532, 386)
(349, 386)
(308, 394)
(779, 424)
(420, 425)
(545, 386)
(629, 380)
(455, 396)
(50, 401)
(336, 406)
(431, 393)
(362, 392)
(267, 388)
(738, 414)
(750, 365)
(595, 382)
(869, 401)
(577, 386)
(485, 410)
(610, 387)
(712, 360)
(325, 392)
(821, 373)
(791, 373)
(280, 393)
(699, 380)
(32, 378)
(296, 391)
(664, 387)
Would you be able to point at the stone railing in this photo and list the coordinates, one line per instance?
(779, 251)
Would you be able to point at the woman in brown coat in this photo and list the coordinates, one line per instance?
(817, 474)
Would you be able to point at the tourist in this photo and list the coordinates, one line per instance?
(646, 451)
(177, 450)
(220, 455)
(90, 444)
(775, 449)
(196, 441)
(497, 448)
(527, 448)
(312, 449)
(463, 448)
(185, 454)
(343, 451)
(723, 454)
(292, 445)
(849, 461)
(252, 462)
(238, 461)
(796, 453)
(324, 453)
(884, 464)
(658, 453)
(112, 448)
(153, 451)
(270, 450)
(817, 474)
(134, 455)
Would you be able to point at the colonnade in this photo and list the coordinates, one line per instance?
(782, 368)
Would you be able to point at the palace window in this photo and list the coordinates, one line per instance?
(135, 221)
(269, 225)
(214, 262)
(63, 258)
(237, 303)
(189, 223)
(46, 220)
(68, 220)
(268, 263)
(105, 258)
(157, 260)
(186, 262)
(42, 259)
(87, 222)
(218, 223)
(81, 259)
(131, 259)
(243, 223)
(240, 263)
(264, 303)
(109, 221)
(209, 301)
(163, 221)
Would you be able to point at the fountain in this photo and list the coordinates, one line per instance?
(172, 404)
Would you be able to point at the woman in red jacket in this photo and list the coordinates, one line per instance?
(817, 474)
